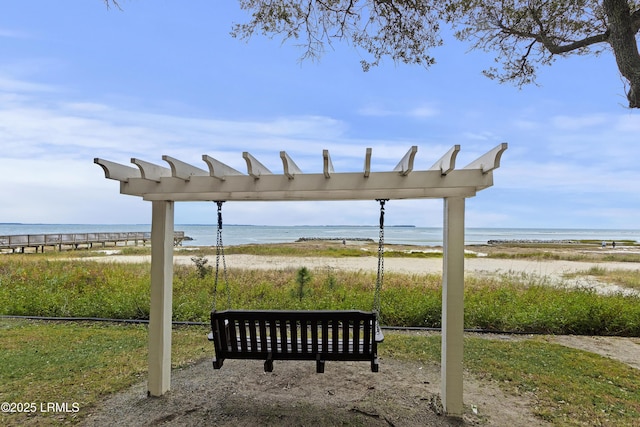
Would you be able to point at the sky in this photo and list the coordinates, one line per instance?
(80, 81)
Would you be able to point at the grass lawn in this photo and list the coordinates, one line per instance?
(81, 363)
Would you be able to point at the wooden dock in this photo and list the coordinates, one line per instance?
(20, 242)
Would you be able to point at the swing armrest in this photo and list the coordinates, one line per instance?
(379, 336)
(226, 331)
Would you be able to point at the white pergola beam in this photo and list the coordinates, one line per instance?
(488, 161)
(447, 163)
(406, 164)
(327, 164)
(117, 171)
(219, 170)
(289, 166)
(151, 171)
(343, 186)
(367, 163)
(254, 167)
(182, 170)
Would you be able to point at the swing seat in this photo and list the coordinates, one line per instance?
(270, 335)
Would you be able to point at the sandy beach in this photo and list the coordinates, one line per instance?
(552, 271)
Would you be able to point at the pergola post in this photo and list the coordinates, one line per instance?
(453, 306)
(161, 297)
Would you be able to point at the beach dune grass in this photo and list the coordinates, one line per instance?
(38, 287)
(625, 278)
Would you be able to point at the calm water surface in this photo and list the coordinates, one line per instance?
(205, 235)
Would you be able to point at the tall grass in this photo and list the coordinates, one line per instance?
(37, 287)
(65, 288)
(513, 305)
(625, 278)
(545, 255)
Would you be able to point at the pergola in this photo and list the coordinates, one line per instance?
(163, 186)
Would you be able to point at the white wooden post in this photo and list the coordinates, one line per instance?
(161, 297)
(453, 306)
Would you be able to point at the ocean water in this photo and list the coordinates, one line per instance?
(205, 235)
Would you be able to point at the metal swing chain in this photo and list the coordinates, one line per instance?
(220, 254)
(380, 276)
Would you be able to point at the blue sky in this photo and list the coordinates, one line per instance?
(78, 81)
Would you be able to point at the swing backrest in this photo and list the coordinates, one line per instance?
(294, 335)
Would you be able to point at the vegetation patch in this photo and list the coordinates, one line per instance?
(569, 387)
(79, 363)
(514, 303)
(625, 278)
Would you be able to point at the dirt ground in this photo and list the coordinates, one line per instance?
(403, 393)
(348, 393)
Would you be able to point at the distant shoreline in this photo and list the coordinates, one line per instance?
(236, 234)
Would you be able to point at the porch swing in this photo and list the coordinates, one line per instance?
(320, 335)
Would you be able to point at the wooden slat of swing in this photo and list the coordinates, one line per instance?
(294, 335)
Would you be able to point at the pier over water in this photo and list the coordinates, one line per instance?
(20, 242)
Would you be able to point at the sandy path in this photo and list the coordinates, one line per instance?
(479, 265)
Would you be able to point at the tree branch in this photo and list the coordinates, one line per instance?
(552, 47)
(115, 3)
(523, 60)
(635, 21)
(586, 42)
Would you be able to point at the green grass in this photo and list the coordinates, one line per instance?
(555, 255)
(568, 387)
(539, 255)
(527, 304)
(83, 363)
(572, 387)
(44, 362)
(327, 250)
(39, 287)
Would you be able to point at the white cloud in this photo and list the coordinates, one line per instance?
(14, 34)
(48, 147)
(628, 123)
(418, 112)
(480, 136)
(579, 122)
(423, 112)
(12, 85)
